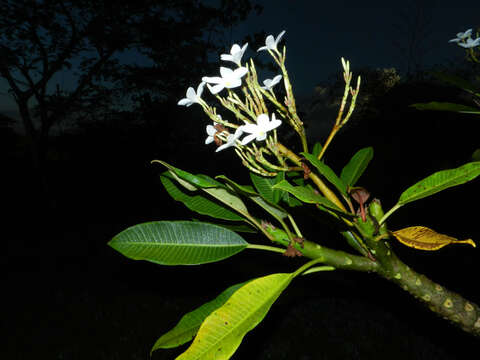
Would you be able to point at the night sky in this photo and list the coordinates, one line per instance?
(318, 34)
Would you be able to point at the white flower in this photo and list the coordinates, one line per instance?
(271, 43)
(235, 55)
(231, 138)
(192, 96)
(469, 43)
(259, 130)
(269, 83)
(462, 36)
(230, 79)
(211, 131)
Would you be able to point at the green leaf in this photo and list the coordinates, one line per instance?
(196, 201)
(440, 181)
(356, 166)
(306, 194)
(223, 330)
(273, 209)
(446, 106)
(457, 81)
(264, 186)
(178, 242)
(327, 172)
(189, 324)
(229, 199)
(317, 148)
(201, 181)
(245, 189)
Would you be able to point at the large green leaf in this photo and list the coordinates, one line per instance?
(356, 166)
(446, 106)
(196, 200)
(223, 330)
(178, 242)
(264, 186)
(305, 194)
(327, 172)
(189, 324)
(439, 181)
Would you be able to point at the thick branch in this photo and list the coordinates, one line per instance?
(448, 304)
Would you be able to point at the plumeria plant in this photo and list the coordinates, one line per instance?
(281, 181)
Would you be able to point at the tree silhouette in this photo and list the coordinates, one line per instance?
(90, 39)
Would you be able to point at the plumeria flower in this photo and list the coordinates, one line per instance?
(470, 43)
(235, 55)
(231, 139)
(230, 79)
(259, 130)
(462, 36)
(269, 83)
(271, 43)
(192, 96)
(211, 131)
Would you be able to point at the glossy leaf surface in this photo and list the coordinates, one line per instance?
(189, 324)
(178, 242)
(223, 330)
(440, 181)
(198, 201)
(356, 166)
(305, 194)
(327, 172)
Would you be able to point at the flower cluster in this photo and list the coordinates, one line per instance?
(258, 122)
(464, 39)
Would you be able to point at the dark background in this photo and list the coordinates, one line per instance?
(83, 174)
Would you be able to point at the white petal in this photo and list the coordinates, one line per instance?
(191, 94)
(273, 125)
(262, 121)
(200, 89)
(212, 80)
(211, 130)
(279, 37)
(239, 72)
(215, 89)
(235, 48)
(185, 101)
(454, 40)
(262, 48)
(226, 57)
(209, 140)
(225, 72)
(222, 147)
(238, 133)
(233, 83)
(250, 128)
(270, 42)
(248, 138)
(276, 80)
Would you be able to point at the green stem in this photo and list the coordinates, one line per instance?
(389, 212)
(318, 269)
(266, 247)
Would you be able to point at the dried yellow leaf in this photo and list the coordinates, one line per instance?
(423, 238)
